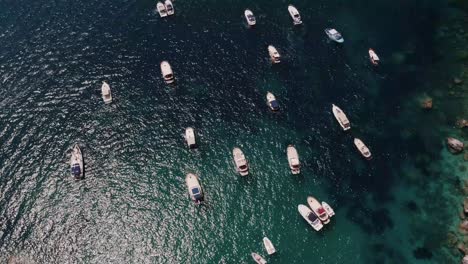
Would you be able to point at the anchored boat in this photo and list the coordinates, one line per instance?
(362, 148)
(318, 209)
(293, 159)
(258, 258)
(242, 165)
(161, 9)
(190, 137)
(294, 15)
(334, 35)
(249, 16)
(274, 55)
(272, 103)
(310, 217)
(269, 246)
(106, 93)
(76, 163)
(341, 117)
(194, 189)
(166, 72)
(373, 57)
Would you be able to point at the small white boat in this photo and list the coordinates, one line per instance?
(362, 148)
(190, 137)
(242, 165)
(258, 258)
(161, 9)
(293, 159)
(328, 209)
(334, 35)
(76, 163)
(106, 93)
(272, 103)
(341, 117)
(274, 55)
(318, 209)
(269, 246)
(249, 16)
(373, 57)
(169, 7)
(194, 189)
(310, 217)
(166, 72)
(294, 15)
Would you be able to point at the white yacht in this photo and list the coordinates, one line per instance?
(274, 55)
(169, 7)
(242, 165)
(258, 258)
(269, 246)
(328, 209)
(106, 93)
(161, 9)
(190, 137)
(310, 217)
(272, 103)
(318, 209)
(166, 72)
(294, 15)
(293, 159)
(76, 163)
(341, 117)
(334, 35)
(194, 189)
(249, 16)
(373, 57)
(362, 148)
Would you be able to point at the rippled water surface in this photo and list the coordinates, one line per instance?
(132, 206)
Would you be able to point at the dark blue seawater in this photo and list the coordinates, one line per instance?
(132, 206)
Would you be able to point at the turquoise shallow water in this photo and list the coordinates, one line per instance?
(132, 206)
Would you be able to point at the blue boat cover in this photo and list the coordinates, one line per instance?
(195, 191)
(274, 104)
(76, 170)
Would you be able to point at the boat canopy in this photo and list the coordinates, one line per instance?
(195, 191)
(312, 217)
(274, 104)
(76, 170)
(333, 31)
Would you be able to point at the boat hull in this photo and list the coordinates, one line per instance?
(76, 161)
(305, 211)
(269, 246)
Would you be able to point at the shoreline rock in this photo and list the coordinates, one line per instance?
(462, 123)
(427, 103)
(454, 145)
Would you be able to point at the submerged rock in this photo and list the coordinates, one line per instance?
(427, 103)
(455, 145)
(465, 205)
(461, 248)
(465, 157)
(457, 80)
(422, 253)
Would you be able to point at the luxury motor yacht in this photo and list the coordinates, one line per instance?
(249, 16)
(269, 246)
(274, 55)
(294, 15)
(334, 35)
(362, 148)
(242, 165)
(272, 103)
(166, 72)
(293, 159)
(310, 217)
(169, 7)
(76, 163)
(190, 137)
(341, 117)
(373, 57)
(106, 93)
(161, 9)
(194, 189)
